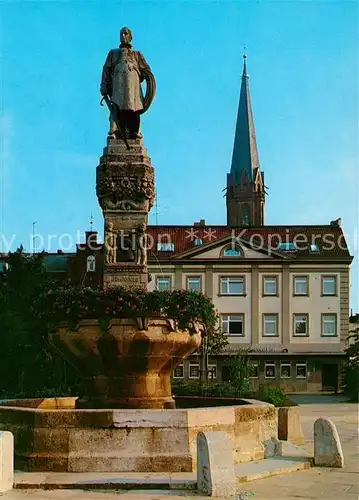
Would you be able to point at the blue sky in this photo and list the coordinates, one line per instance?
(303, 67)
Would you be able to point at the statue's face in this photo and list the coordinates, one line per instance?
(125, 35)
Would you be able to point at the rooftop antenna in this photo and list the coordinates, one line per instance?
(156, 207)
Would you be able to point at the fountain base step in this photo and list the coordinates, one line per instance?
(108, 480)
(152, 481)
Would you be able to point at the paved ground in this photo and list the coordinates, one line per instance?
(317, 483)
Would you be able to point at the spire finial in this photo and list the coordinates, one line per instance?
(245, 74)
(91, 222)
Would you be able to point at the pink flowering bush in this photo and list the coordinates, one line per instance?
(72, 305)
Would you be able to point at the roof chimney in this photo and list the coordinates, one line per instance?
(336, 222)
(91, 239)
(201, 223)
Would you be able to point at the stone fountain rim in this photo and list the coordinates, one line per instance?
(6, 404)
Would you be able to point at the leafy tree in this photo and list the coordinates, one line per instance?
(351, 370)
(28, 366)
(213, 343)
(240, 368)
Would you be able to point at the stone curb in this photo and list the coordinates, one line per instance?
(71, 483)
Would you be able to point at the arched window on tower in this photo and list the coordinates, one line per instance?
(91, 264)
(246, 215)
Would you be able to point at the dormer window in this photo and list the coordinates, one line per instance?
(198, 242)
(91, 264)
(287, 247)
(231, 252)
(165, 247)
(314, 248)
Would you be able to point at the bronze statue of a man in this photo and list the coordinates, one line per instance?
(123, 72)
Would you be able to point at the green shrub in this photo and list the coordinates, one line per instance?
(208, 389)
(351, 370)
(351, 382)
(272, 395)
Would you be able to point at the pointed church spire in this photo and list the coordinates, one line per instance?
(245, 154)
(245, 195)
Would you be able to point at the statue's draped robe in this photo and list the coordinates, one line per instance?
(122, 74)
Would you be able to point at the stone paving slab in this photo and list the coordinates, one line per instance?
(269, 467)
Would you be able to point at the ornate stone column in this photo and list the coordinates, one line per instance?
(125, 190)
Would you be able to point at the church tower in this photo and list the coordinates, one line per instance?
(245, 182)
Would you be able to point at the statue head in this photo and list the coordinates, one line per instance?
(126, 36)
(141, 228)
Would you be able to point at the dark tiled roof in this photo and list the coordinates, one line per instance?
(329, 239)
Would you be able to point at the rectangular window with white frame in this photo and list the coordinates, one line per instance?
(163, 283)
(301, 287)
(270, 325)
(194, 371)
(178, 372)
(212, 371)
(194, 283)
(301, 370)
(301, 325)
(232, 285)
(233, 324)
(329, 285)
(270, 369)
(285, 370)
(270, 286)
(329, 325)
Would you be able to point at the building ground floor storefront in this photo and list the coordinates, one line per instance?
(294, 373)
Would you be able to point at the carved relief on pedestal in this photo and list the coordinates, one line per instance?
(141, 246)
(125, 187)
(110, 243)
(131, 280)
(125, 246)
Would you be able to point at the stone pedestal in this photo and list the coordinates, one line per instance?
(125, 190)
(6, 461)
(289, 426)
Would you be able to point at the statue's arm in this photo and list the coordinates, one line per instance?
(143, 66)
(106, 83)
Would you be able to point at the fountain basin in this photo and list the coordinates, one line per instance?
(129, 364)
(52, 435)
